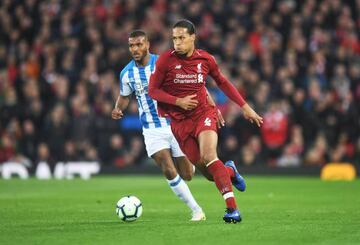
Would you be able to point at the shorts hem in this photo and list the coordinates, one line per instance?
(206, 129)
(151, 153)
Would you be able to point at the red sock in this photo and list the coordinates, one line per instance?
(230, 171)
(222, 181)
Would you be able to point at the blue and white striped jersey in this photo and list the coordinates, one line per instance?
(136, 79)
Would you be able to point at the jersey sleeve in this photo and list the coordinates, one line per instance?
(125, 88)
(225, 85)
(156, 80)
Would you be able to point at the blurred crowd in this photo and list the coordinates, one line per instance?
(296, 62)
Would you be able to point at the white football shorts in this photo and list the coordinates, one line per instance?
(157, 139)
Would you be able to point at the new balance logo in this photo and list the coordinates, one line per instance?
(178, 67)
(224, 191)
(207, 122)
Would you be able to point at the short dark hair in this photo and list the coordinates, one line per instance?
(138, 33)
(186, 24)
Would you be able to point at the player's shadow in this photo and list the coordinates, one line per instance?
(93, 222)
(106, 223)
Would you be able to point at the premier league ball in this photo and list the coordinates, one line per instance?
(129, 208)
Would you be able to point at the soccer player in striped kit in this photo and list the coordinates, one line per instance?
(178, 84)
(161, 144)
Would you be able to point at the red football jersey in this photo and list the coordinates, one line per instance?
(177, 76)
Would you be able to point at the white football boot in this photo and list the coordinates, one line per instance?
(198, 216)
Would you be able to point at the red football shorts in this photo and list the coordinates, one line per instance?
(187, 131)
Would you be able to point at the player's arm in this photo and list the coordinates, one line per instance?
(155, 91)
(229, 89)
(123, 99)
(121, 104)
(220, 122)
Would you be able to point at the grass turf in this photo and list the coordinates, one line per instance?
(276, 210)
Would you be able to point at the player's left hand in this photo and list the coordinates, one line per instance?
(220, 121)
(251, 115)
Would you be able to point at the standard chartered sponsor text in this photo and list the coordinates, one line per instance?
(187, 78)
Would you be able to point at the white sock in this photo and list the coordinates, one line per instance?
(181, 189)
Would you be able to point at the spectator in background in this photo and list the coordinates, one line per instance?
(248, 156)
(104, 126)
(261, 97)
(136, 151)
(14, 131)
(70, 152)
(341, 82)
(7, 149)
(81, 126)
(10, 108)
(44, 155)
(317, 153)
(36, 112)
(288, 158)
(255, 146)
(28, 142)
(274, 131)
(56, 131)
(292, 152)
(60, 88)
(338, 153)
(251, 153)
(117, 154)
(90, 154)
(230, 149)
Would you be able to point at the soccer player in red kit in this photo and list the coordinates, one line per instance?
(178, 84)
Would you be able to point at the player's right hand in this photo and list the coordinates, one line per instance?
(252, 116)
(220, 120)
(116, 114)
(187, 103)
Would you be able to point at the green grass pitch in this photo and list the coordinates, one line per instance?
(276, 210)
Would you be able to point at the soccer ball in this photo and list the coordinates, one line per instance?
(129, 208)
